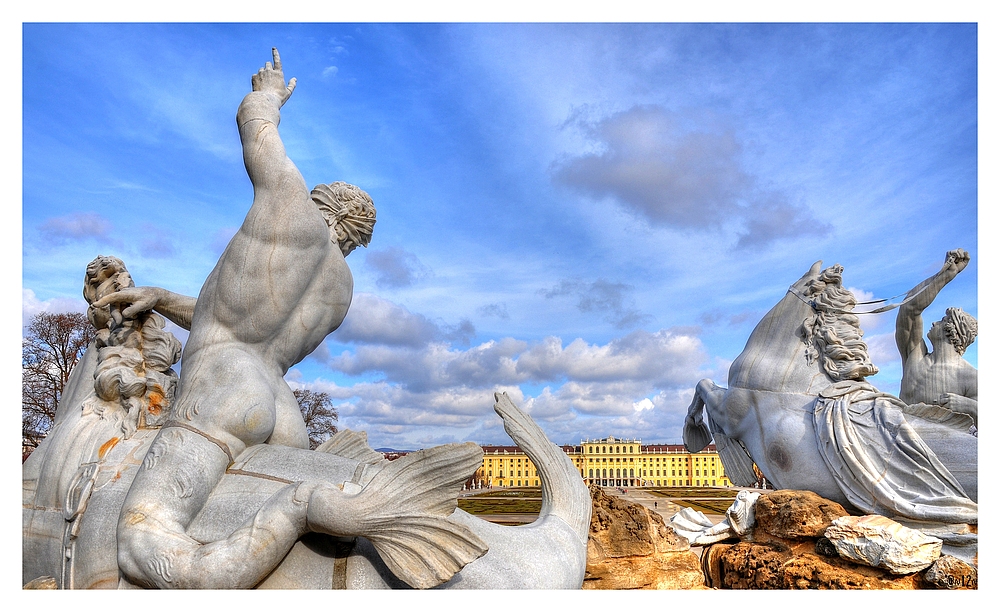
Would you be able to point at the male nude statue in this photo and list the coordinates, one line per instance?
(941, 377)
(281, 286)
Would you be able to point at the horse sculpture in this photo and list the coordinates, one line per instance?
(798, 407)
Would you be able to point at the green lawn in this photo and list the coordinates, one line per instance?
(504, 501)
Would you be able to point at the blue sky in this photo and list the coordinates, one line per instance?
(592, 217)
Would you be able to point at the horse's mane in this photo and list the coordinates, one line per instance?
(832, 334)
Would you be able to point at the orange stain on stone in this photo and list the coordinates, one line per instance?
(155, 403)
(107, 446)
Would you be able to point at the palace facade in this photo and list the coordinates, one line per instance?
(610, 462)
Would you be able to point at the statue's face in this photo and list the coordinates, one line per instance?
(937, 332)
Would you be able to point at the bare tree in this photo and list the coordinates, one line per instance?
(318, 413)
(52, 345)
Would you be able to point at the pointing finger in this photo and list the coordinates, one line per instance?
(277, 58)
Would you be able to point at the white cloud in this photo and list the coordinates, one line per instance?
(330, 71)
(374, 320)
(643, 404)
(682, 176)
(31, 305)
(439, 393)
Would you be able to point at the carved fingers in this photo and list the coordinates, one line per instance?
(271, 79)
(141, 299)
(956, 260)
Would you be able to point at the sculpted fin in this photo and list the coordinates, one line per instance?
(404, 512)
(351, 445)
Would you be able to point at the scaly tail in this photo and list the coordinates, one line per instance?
(404, 512)
(563, 493)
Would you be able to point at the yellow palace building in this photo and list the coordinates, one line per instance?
(610, 462)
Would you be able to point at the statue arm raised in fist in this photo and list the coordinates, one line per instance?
(938, 376)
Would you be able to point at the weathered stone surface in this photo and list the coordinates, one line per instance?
(795, 514)
(711, 564)
(881, 542)
(619, 528)
(752, 566)
(811, 571)
(952, 573)
(826, 548)
(632, 548)
(669, 570)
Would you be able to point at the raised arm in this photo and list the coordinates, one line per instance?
(909, 323)
(257, 119)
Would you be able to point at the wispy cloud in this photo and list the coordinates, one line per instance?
(156, 243)
(395, 267)
(498, 310)
(601, 296)
(678, 175)
(76, 226)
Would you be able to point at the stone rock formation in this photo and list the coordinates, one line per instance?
(632, 548)
(881, 542)
(798, 542)
(796, 514)
(952, 573)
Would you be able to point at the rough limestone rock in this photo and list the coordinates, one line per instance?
(632, 548)
(952, 573)
(711, 564)
(795, 514)
(812, 571)
(665, 571)
(619, 528)
(751, 565)
(881, 542)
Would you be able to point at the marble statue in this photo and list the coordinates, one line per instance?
(220, 489)
(699, 529)
(940, 377)
(798, 406)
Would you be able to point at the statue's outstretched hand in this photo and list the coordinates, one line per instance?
(270, 79)
(955, 261)
(142, 299)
